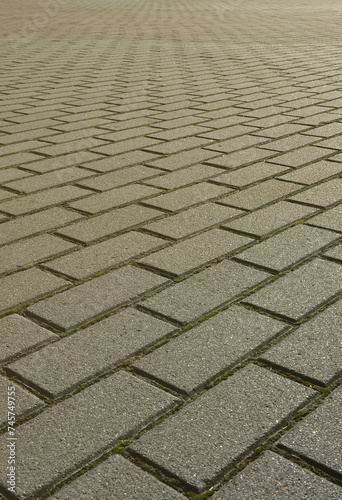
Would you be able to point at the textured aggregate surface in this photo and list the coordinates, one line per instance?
(170, 249)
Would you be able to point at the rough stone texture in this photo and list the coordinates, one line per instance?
(331, 219)
(18, 334)
(192, 253)
(119, 178)
(314, 173)
(314, 350)
(203, 440)
(85, 302)
(96, 228)
(205, 291)
(248, 175)
(276, 254)
(272, 477)
(318, 436)
(323, 195)
(298, 293)
(240, 158)
(183, 177)
(104, 255)
(27, 286)
(192, 220)
(301, 156)
(25, 402)
(75, 432)
(58, 368)
(205, 352)
(183, 159)
(117, 479)
(265, 221)
(260, 194)
(192, 195)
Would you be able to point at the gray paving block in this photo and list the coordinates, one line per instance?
(301, 156)
(205, 439)
(12, 173)
(237, 143)
(272, 477)
(170, 147)
(240, 158)
(323, 195)
(288, 143)
(314, 350)
(265, 221)
(301, 291)
(104, 255)
(327, 130)
(83, 428)
(114, 198)
(192, 220)
(69, 147)
(18, 334)
(330, 219)
(205, 352)
(184, 176)
(85, 302)
(206, 291)
(261, 194)
(27, 286)
(335, 253)
(116, 148)
(195, 252)
(6, 195)
(36, 223)
(117, 479)
(90, 230)
(25, 402)
(183, 159)
(314, 173)
(248, 175)
(43, 199)
(51, 179)
(17, 159)
(67, 160)
(288, 247)
(107, 164)
(186, 197)
(318, 436)
(74, 359)
(119, 178)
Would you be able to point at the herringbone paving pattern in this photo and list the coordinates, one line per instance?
(170, 239)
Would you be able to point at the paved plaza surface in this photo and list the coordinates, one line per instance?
(171, 249)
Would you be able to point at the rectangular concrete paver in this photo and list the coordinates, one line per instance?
(205, 352)
(206, 438)
(75, 432)
(248, 175)
(24, 401)
(330, 219)
(322, 195)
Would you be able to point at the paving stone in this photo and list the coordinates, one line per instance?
(176, 133)
(68, 160)
(330, 219)
(327, 130)
(117, 479)
(285, 479)
(113, 198)
(18, 334)
(184, 159)
(104, 255)
(107, 164)
(25, 403)
(261, 194)
(202, 354)
(185, 176)
(314, 350)
(45, 199)
(240, 158)
(205, 291)
(248, 175)
(117, 338)
(192, 220)
(300, 292)
(301, 156)
(231, 145)
(289, 247)
(6, 195)
(90, 230)
(265, 221)
(75, 432)
(10, 174)
(336, 158)
(187, 197)
(129, 145)
(323, 195)
(228, 132)
(314, 173)
(35, 223)
(119, 178)
(17, 159)
(31, 251)
(333, 143)
(289, 143)
(85, 302)
(178, 145)
(70, 147)
(206, 438)
(318, 436)
(26, 286)
(195, 252)
(335, 253)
